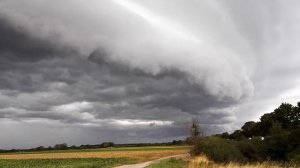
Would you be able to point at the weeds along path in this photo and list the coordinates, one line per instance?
(148, 163)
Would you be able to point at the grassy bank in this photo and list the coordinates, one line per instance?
(170, 163)
(65, 163)
(203, 162)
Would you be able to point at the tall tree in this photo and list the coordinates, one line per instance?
(195, 132)
(250, 129)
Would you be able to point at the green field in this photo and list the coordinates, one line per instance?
(65, 163)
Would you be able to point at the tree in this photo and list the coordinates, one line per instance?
(40, 148)
(107, 144)
(281, 136)
(250, 129)
(225, 135)
(277, 143)
(62, 146)
(287, 115)
(237, 135)
(265, 123)
(195, 133)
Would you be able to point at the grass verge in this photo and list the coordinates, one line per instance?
(65, 163)
(170, 163)
(203, 162)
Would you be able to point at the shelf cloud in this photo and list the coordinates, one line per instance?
(141, 71)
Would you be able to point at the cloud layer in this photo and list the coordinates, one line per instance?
(141, 70)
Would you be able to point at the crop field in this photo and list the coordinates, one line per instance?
(87, 158)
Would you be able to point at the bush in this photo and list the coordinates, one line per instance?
(218, 150)
(277, 143)
(295, 156)
(252, 149)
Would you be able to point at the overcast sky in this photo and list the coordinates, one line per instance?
(84, 72)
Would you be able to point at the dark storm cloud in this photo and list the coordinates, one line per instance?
(17, 45)
(40, 79)
(141, 70)
(21, 53)
(169, 88)
(115, 84)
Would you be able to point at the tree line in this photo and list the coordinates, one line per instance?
(64, 146)
(276, 136)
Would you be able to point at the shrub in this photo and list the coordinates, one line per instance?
(277, 143)
(295, 156)
(218, 150)
(252, 149)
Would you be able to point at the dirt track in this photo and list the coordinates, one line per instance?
(145, 164)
